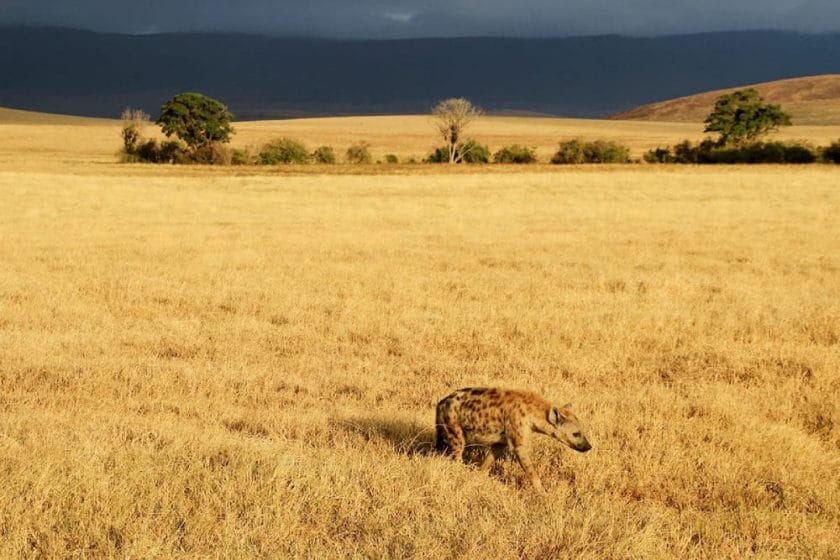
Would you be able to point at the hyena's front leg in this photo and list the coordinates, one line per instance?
(523, 455)
(495, 453)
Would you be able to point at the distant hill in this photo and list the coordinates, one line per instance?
(813, 100)
(16, 116)
(258, 77)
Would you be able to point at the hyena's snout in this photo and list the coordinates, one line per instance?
(575, 438)
(579, 442)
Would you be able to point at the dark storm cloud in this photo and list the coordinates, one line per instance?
(404, 18)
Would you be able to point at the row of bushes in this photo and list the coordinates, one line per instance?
(569, 152)
(172, 151)
(281, 151)
(287, 150)
(599, 151)
(709, 151)
(290, 151)
(473, 152)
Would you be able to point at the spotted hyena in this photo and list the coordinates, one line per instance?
(503, 420)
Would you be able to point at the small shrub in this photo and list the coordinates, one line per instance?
(283, 150)
(515, 154)
(571, 151)
(170, 151)
(391, 158)
(133, 122)
(599, 151)
(831, 153)
(439, 155)
(148, 151)
(470, 151)
(131, 139)
(685, 152)
(324, 154)
(473, 152)
(602, 151)
(659, 155)
(800, 153)
(241, 157)
(773, 152)
(211, 154)
(359, 153)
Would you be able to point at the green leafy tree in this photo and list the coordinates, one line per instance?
(742, 117)
(199, 121)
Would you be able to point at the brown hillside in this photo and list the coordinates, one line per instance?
(18, 116)
(811, 100)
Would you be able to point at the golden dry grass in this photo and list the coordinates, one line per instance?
(205, 363)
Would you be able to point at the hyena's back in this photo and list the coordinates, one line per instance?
(481, 415)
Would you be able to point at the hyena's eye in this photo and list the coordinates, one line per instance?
(576, 434)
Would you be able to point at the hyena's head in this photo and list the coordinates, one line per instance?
(567, 428)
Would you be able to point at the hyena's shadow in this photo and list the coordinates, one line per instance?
(406, 437)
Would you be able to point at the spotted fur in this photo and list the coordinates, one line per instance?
(502, 420)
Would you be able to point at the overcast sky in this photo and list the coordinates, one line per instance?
(429, 18)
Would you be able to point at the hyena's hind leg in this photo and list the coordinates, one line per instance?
(457, 441)
(450, 437)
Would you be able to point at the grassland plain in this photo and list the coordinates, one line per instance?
(216, 363)
(38, 142)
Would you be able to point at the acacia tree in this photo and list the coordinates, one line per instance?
(451, 118)
(742, 116)
(198, 120)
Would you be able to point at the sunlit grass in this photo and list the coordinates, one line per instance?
(248, 366)
(244, 362)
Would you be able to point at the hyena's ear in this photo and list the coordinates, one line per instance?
(554, 417)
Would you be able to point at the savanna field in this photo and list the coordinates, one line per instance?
(244, 362)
